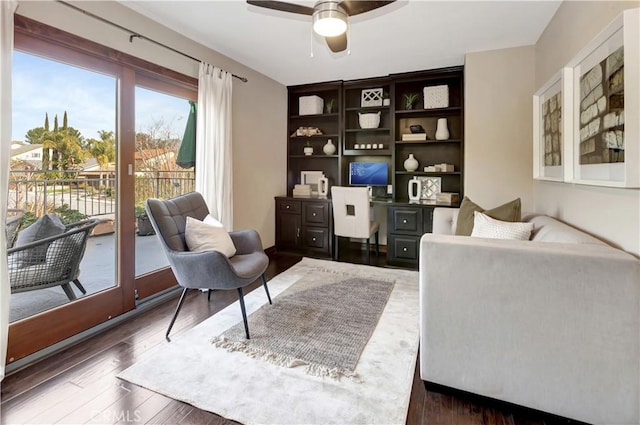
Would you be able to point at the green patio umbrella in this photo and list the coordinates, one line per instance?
(187, 153)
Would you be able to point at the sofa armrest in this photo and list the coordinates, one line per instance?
(550, 326)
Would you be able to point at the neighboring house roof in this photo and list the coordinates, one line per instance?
(17, 149)
(91, 165)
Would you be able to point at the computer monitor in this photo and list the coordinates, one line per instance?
(368, 174)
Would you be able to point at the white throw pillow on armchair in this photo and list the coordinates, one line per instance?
(208, 235)
(487, 227)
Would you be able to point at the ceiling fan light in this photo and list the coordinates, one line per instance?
(329, 20)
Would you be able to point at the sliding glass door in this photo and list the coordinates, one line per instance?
(85, 120)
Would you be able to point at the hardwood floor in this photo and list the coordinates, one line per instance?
(79, 384)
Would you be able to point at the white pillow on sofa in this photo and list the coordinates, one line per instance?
(487, 227)
(208, 235)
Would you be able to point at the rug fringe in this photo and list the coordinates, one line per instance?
(284, 360)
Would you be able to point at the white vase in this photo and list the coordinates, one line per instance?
(329, 148)
(415, 189)
(411, 164)
(442, 132)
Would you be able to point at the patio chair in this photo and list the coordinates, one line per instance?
(205, 269)
(12, 224)
(33, 267)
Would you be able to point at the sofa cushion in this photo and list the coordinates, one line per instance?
(45, 227)
(506, 212)
(548, 229)
(209, 235)
(487, 227)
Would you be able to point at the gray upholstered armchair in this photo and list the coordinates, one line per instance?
(208, 269)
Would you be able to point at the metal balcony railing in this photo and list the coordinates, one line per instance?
(92, 196)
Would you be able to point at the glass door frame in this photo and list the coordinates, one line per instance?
(29, 335)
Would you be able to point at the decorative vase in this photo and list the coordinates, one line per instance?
(386, 102)
(329, 148)
(411, 164)
(308, 150)
(442, 132)
(415, 189)
(323, 186)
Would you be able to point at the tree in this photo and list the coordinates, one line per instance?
(103, 150)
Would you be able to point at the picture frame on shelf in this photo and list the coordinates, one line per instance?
(551, 110)
(431, 186)
(311, 178)
(605, 116)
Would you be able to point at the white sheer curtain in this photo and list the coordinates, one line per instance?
(6, 51)
(214, 169)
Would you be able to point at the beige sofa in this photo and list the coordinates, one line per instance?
(552, 323)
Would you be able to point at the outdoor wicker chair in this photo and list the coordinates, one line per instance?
(33, 267)
(12, 224)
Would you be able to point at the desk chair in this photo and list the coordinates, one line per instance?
(352, 217)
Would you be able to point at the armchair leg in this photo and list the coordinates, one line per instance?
(377, 246)
(173, 320)
(369, 250)
(336, 244)
(79, 285)
(209, 295)
(264, 283)
(69, 291)
(244, 312)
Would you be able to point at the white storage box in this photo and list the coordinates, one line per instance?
(311, 105)
(436, 97)
(370, 120)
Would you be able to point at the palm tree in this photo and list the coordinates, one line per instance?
(103, 150)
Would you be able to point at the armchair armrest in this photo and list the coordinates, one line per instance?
(202, 270)
(246, 241)
(552, 326)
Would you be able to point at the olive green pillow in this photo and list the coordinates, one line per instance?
(506, 212)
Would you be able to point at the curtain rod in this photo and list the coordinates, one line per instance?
(133, 34)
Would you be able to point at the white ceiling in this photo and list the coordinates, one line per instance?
(407, 35)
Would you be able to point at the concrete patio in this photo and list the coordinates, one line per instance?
(97, 272)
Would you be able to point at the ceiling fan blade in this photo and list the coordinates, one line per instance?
(338, 43)
(282, 6)
(355, 7)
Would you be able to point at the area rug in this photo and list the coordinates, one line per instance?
(254, 391)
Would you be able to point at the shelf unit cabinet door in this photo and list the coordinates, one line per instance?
(427, 217)
(288, 228)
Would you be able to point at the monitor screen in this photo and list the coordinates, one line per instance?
(368, 173)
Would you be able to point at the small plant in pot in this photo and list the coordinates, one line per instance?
(144, 224)
(308, 149)
(409, 100)
(386, 100)
(329, 105)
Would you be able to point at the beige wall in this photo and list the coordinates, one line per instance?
(498, 126)
(259, 106)
(608, 213)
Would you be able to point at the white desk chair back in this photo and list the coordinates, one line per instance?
(352, 216)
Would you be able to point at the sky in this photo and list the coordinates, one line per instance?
(44, 86)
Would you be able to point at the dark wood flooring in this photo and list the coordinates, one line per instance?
(79, 384)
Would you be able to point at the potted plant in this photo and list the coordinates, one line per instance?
(386, 101)
(409, 99)
(329, 105)
(308, 149)
(144, 224)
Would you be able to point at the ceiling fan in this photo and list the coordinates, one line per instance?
(330, 17)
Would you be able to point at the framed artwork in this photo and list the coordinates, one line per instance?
(431, 186)
(311, 178)
(605, 116)
(550, 110)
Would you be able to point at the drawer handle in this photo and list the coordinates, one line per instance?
(313, 239)
(287, 207)
(404, 249)
(313, 214)
(404, 221)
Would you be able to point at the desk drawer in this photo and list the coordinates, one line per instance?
(315, 214)
(405, 220)
(285, 205)
(316, 239)
(403, 248)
